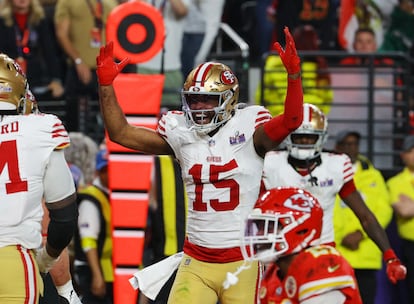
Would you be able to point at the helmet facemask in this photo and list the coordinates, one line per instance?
(215, 116)
(284, 221)
(263, 237)
(214, 85)
(314, 124)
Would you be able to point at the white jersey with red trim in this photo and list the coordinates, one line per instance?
(221, 173)
(333, 172)
(26, 143)
(314, 272)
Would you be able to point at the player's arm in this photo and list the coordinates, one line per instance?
(272, 133)
(60, 197)
(395, 270)
(119, 130)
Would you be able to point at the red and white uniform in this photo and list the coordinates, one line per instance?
(26, 145)
(334, 171)
(318, 273)
(222, 175)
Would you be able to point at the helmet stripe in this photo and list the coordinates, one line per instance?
(307, 114)
(201, 74)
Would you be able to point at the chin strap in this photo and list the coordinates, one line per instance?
(232, 279)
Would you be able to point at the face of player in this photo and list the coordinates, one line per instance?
(202, 107)
(304, 139)
(365, 43)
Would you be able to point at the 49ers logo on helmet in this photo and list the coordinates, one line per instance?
(227, 77)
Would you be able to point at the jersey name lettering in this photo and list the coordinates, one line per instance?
(10, 128)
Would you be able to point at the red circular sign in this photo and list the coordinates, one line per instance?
(137, 31)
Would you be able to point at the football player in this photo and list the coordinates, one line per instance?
(32, 166)
(220, 147)
(283, 230)
(325, 174)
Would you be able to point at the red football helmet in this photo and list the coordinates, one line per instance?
(283, 221)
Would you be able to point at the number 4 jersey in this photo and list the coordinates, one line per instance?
(221, 173)
(26, 143)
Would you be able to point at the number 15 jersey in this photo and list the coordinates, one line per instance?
(221, 173)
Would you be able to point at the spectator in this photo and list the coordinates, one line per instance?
(365, 43)
(194, 31)
(213, 20)
(354, 14)
(168, 207)
(402, 200)
(400, 34)
(80, 30)
(360, 251)
(24, 184)
(93, 239)
(82, 153)
(283, 230)
(219, 146)
(167, 61)
(28, 38)
(325, 175)
(321, 15)
(315, 77)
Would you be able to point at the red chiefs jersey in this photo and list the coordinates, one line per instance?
(314, 272)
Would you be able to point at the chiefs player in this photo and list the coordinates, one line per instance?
(283, 230)
(220, 147)
(325, 175)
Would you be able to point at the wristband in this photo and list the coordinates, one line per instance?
(389, 255)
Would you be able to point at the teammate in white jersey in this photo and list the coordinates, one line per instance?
(32, 166)
(325, 174)
(220, 147)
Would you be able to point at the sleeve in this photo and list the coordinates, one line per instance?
(88, 224)
(58, 180)
(331, 297)
(59, 134)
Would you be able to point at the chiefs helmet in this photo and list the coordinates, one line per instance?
(210, 80)
(283, 221)
(314, 123)
(12, 84)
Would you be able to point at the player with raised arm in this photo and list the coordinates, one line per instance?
(220, 147)
(284, 231)
(325, 174)
(32, 167)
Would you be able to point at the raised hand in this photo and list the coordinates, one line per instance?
(106, 68)
(289, 55)
(395, 270)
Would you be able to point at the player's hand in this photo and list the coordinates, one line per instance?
(395, 270)
(106, 68)
(44, 261)
(289, 55)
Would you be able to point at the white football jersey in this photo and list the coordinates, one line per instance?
(221, 173)
(26, 142)
(333, 172)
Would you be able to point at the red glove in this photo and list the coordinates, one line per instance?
(289, 55)
(395, 270)
(107, 69)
